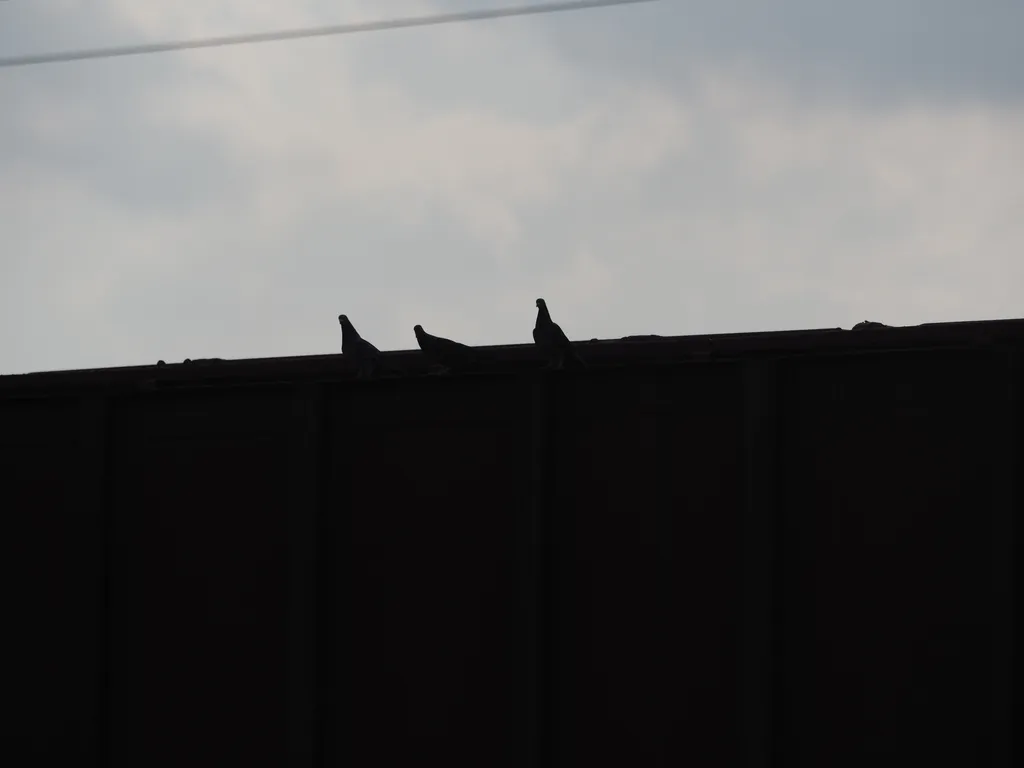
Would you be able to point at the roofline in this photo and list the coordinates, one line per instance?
(597, 353)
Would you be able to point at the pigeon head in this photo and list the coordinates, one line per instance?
(348, 331)
(418, 330)
(541, 304)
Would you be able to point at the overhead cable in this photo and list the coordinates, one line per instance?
(322, 31)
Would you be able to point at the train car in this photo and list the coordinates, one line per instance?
(774, 549)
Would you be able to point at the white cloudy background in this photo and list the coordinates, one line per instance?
(673, 168)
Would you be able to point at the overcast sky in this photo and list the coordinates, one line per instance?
(671, 168)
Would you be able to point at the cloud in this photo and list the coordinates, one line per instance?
(878, 52)
(232, 202)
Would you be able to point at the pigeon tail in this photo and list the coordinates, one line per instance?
(573, 360)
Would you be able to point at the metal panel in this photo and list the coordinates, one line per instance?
(538, 568)
(53, 598)
(1007, 429)
(888, 602)
(199, 579)
(759, 564)
(305, 567)
(430, 499)
(648, 501)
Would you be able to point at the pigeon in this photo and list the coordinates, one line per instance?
(357, 348)
(550, 337)
(444, 354)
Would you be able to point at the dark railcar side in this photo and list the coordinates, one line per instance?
(198, 578)
(54, 556)
(645, 515)
(893, 589)
(429, 492)
(788, 549)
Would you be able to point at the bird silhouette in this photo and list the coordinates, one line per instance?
(549, 336)
(867, 325)
(444, 354)
(358, 349)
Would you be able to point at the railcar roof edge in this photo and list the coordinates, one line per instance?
(598, 353)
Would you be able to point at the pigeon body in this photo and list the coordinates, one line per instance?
(550, 337)
(444, 353)
(355, 347)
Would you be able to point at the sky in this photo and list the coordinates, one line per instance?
(667, 168)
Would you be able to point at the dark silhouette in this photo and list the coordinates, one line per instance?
(800, 556)
(358, 349)
(445, 354)
(869, 324)
(550, 337)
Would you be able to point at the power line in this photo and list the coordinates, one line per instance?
(324, 31)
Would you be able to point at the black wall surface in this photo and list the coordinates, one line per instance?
(198, 581)
(891, 612)
(644, 516)
(428, 507)
(786, 555)
(54, 595)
